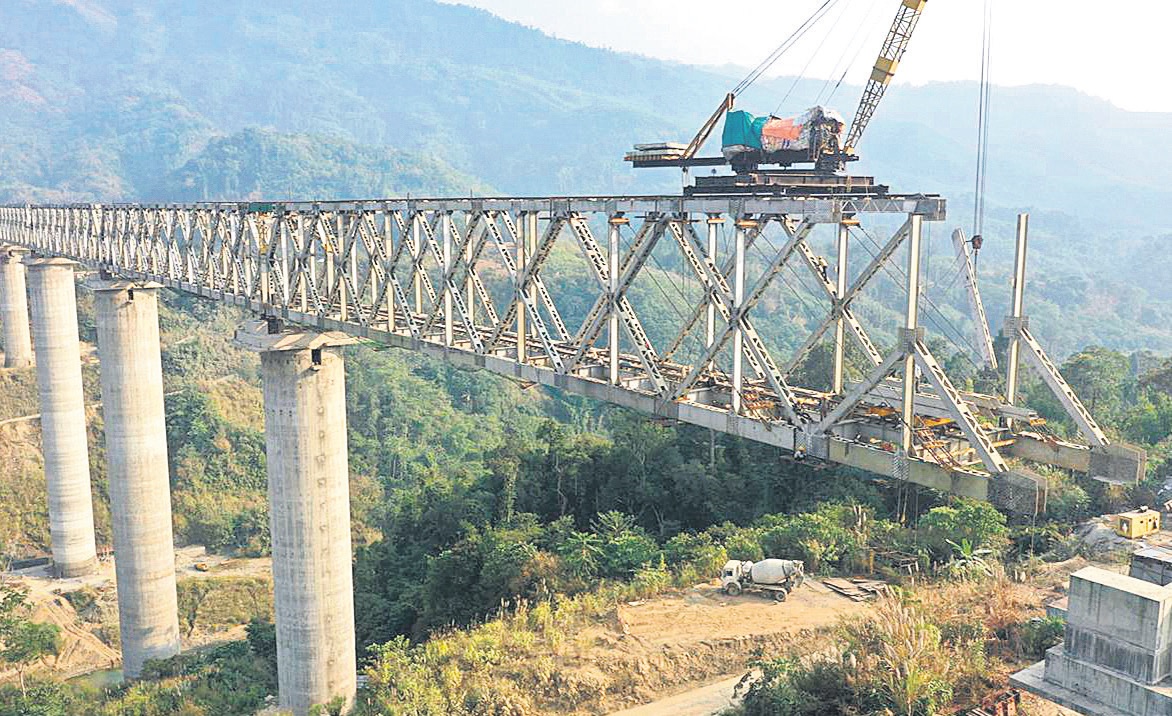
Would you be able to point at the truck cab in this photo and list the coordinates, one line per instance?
(733, 574)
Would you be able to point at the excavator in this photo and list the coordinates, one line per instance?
(818, 143)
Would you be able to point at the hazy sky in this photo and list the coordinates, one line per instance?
(1094, 45)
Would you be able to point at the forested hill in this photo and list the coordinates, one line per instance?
(219, 99)
(95, 90)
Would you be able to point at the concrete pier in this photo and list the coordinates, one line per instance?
(53, 300)
(136, 446)
(18, 345)
(309, 499)
(1116, 659)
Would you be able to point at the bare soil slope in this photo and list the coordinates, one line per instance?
(664, 646)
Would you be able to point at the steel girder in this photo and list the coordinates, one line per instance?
(470, 280)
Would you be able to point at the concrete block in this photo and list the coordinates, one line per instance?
(1033, 680)
(1143, 665)
(1125, 695)
(1118, 463)
(1130, 611)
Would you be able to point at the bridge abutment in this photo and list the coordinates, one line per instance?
(309, 501)
(136, 446)
(18, 345)
(53, 300)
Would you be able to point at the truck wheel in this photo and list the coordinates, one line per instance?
(732, 589)
(780, 595)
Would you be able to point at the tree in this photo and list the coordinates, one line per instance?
(23, 641)
(28, 642)
(1100, 377)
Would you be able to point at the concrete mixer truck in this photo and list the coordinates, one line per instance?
(775, 577)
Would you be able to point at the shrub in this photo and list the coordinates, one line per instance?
(696, 551)
(651, 580)
(1039, 634)
(262, 641)
(822, 539)
(740, 543)
(625, 554)
(1067, 502)
(978, 523)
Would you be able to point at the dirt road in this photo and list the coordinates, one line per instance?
(702, 701)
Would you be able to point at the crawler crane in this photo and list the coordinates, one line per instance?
(819, 138)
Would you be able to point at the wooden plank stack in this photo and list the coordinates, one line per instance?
(855, 589)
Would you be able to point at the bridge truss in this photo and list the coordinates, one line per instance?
(477, 282)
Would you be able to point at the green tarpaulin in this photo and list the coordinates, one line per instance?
(742, 129)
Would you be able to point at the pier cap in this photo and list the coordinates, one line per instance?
(97, 283)
(265, 336)
(37, 261)
(11, 252)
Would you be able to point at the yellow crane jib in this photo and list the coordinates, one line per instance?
(886, 64)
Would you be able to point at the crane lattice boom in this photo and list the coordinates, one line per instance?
(893, 48)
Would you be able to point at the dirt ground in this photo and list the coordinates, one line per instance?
(669, 645)
(705, 613)
(89, 636)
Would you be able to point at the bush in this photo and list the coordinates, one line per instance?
(978, 523)
(696, 551)
(1039, 634)
(262, 641)
(821, 539)
(651, 580)
(1067, 502)
(789, 687)
(740, 543)
(624, 555)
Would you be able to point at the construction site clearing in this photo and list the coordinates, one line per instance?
(666, 647)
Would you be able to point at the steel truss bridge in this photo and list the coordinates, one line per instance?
(462, 280)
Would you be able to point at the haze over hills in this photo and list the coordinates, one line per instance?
(519, 110)
(111, 99)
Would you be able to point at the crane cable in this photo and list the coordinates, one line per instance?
(941, 323)
(781, 49)
(983, 125)
(805, 68)
(858, 50)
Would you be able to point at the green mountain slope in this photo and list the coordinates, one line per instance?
(162, 101)
(263, 164)
(520, 110)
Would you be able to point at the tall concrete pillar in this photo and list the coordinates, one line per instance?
(18, 345)
(63, 436)
(136, 446)
(309, 501)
